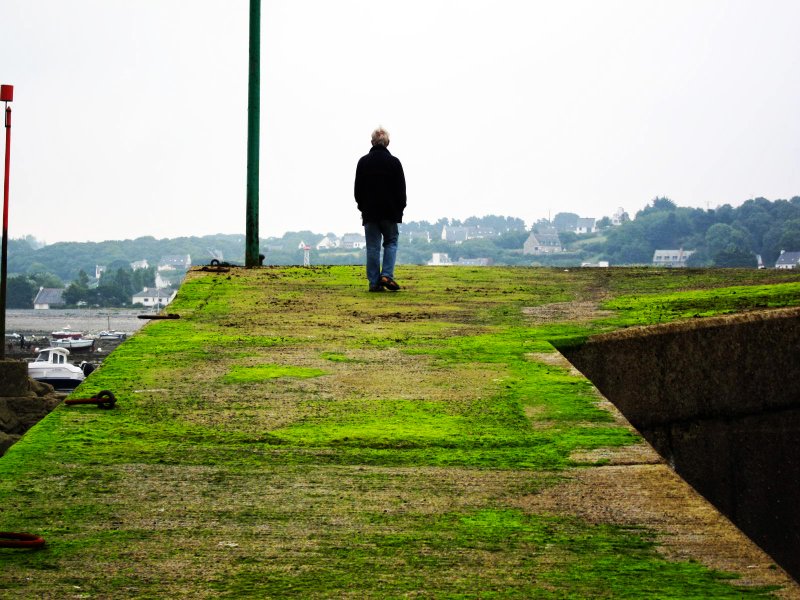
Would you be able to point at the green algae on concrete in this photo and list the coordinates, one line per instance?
(243, 374)
(295, 436)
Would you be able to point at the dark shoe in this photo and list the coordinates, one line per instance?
(376, 288)
(389, 283)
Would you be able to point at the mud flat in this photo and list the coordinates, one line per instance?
(89, 321)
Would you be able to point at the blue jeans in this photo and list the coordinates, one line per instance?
(374, 232)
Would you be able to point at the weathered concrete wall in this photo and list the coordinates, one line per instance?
(23, 402)
(720, 400)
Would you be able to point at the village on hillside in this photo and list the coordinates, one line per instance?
(146, 272)
(165, 279)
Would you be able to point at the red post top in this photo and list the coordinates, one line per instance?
(6, 93)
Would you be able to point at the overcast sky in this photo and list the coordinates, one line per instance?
(130, 117)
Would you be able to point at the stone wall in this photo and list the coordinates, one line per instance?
(719, 399)
(23, 402)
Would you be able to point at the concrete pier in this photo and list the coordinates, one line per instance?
(719, 399)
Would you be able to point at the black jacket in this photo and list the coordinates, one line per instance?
(380, 187)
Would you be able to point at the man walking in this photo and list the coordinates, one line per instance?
(380, 192)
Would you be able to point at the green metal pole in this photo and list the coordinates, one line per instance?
(251, 258)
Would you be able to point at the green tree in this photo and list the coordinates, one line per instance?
(564, 221)
(790, 236)
(729, 247)
(78, 290)
(512, 240)
(47, 280)
(735, 258)
(20, 292)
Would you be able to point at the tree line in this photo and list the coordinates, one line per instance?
(114, 288)
(722, 237)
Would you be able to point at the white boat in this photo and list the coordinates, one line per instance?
(112, 335)
(74, 344)
(51, 366)
(66, 333)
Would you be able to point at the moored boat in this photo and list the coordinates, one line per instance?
(112, 335)
(51, 366)
(74, 343)
(66, 333)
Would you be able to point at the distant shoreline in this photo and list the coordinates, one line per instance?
(89, 321)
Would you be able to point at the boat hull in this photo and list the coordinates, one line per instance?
(73, 344)
(60, 383)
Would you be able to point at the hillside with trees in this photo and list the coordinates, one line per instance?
(720, 237)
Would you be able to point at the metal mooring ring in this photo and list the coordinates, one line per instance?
(104, 399)
(20, 540)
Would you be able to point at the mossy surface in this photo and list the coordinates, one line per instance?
(294, 435)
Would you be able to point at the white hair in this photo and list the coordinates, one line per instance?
(380, 137)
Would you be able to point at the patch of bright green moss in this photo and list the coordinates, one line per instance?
(337, 357)
(663, 308)
(256, 373)
(397, 555)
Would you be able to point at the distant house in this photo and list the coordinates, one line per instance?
(98, 271)
(418, 235)
(474, 262)
(49, 298)
(671, 258)
(353, 241)
(178, 262)
(440, 259)
(585, 226)
(619, 217)
(139, 264)
(154, 297)
(542, 242)
(328, 242)
(788, 260)
(162, 282)
(456, 234)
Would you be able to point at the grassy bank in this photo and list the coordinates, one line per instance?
(293, 435)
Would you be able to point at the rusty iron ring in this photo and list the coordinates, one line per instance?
(104, 399)
(20, 540)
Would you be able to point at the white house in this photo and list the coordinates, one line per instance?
(154, 297)
(586, 225)
(671, 258)
(161, 282)
(457, 234)
(788, 260)
(619, 217)
(139, 264)
(599, 263)
(179, 262)
(440, 259)
(328, 242)
(418, 235)
(475, 262)
(48, 298)
(353, 241)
